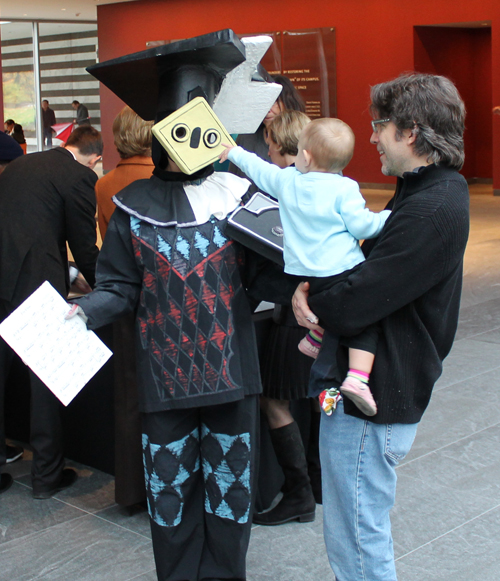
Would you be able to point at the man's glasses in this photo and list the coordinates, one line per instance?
(377, 122)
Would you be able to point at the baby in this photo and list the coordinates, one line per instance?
(323, 216)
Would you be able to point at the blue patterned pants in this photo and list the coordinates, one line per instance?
(199, 469)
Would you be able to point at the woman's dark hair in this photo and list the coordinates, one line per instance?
(289, 95)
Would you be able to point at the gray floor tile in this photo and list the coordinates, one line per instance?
(22, 466)
(479, 318)
(488, 336)
(467, 360)
(456, 412)
(468, 553)
(149, 576)
(21, 515)
(290, 552)
(443, 490)
(94, 490)
(136, 520)
(89, 549)
(19, 469)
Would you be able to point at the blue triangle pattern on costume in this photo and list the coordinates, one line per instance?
(231, 487)
(202, 244)
(135, 225)
(165, 499)
(164, 247)
(182, 247)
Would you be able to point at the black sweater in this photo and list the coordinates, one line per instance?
(411, 281)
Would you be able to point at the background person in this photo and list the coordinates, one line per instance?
(9, 150)
(411, 281)
(16, 132)
(46, 200)
(285, 376)
(132, 137)
(49, 119)
(82, 114)
(284, 382)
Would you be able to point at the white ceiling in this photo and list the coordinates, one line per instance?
(52, 9)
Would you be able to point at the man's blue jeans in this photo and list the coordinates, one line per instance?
(358, 461)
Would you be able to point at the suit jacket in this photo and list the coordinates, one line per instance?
(127, 171)
(82, 115)
(48, 117)
(46, 199)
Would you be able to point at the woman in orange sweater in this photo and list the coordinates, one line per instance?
(132, 138)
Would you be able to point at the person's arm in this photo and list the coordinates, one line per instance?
(80, 209)
(407, 261)
(268, 177)
(305, 317)
(359, 220)
(118, 276)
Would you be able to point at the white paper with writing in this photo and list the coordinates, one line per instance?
(64, 354)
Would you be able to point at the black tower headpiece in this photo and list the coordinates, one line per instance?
(160, 80)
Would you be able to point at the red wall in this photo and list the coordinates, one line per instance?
(375, 42)
(464, 56)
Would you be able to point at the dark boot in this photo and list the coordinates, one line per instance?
(313, 463)
(298, 500)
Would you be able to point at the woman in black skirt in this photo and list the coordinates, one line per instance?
(284, 369)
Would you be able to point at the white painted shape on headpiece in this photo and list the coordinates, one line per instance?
(242, 104)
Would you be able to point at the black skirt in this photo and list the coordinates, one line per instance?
(284, 369)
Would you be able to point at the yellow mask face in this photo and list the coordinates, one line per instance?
(192, 136)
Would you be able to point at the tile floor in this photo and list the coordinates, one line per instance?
(446, 521)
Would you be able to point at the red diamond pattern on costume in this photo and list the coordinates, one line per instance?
(191, 341)
(208, 297)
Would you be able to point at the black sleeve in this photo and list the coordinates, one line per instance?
(80, 209)
(406, 261)
(119, 278)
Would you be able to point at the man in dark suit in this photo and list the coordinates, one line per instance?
(82, 114)
(49, 119)
(46, 200)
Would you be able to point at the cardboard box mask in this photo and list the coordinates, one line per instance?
(192, 136)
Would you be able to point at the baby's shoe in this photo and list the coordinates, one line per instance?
(359, 393)
(307, 348)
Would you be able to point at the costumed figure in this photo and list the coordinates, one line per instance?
(166, 254)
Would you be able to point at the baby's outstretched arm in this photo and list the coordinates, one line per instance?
(225, 153)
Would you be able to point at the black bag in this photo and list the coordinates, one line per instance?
(257, 225)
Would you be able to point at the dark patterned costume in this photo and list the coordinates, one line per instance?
(198, 375)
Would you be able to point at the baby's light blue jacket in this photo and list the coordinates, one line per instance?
(323, 215)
